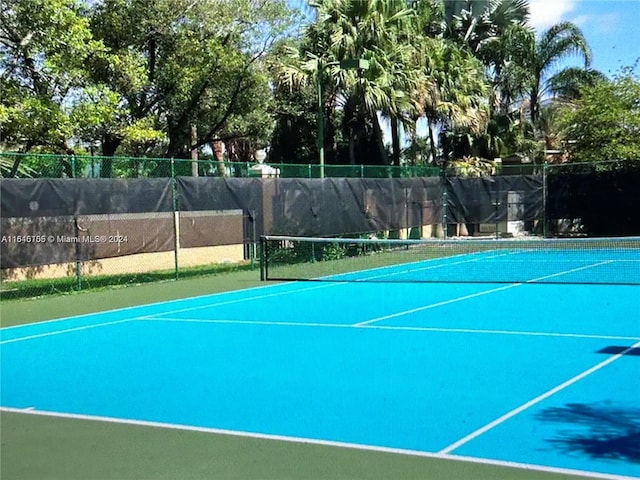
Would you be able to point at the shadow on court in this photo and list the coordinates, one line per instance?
(599, 431)
(615, 350)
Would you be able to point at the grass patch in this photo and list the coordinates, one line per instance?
(12, 290)
(65, 304)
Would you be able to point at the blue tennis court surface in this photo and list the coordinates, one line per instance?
(544, 376)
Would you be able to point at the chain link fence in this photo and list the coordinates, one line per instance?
(32, 165)
(25, 165)
(114, 224)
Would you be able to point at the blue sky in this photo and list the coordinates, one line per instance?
(612, 27)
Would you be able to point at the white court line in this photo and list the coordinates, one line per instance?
(314, 441)
(66, 330)
(315, 287)
(426, 261)
(428, 267)
(478, 294)
(388, 327)
(239, 300)
(144, 305)
(433, 305)
(536, 400)
(323, 285)
(217, 294)
(245, 322)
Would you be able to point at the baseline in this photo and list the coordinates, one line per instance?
(537, 400)
(314, 441)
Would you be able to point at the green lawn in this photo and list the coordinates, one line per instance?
(42, 448)
(14, 312)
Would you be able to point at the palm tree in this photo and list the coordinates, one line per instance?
(481, 23)
(519, 65)
(494, 32)
(411, 74)
(377, 31)
(555, 44)
(11, 166)
(452, 92)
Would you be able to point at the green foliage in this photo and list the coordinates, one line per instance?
(472, 167)
(294, 138)
(413, 73)
(605, 123)
(31, 288)
(522, 122)
(168, 77)
(136, 76)
(43, 50)
(190, 65)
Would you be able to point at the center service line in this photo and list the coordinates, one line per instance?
(478, 294)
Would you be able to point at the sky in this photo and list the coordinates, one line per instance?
(611, 27)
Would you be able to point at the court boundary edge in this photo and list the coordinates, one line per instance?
(312, 441)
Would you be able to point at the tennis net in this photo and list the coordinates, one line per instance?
(605, 261)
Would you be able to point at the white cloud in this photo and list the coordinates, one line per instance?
(544, 13)
(581, 20)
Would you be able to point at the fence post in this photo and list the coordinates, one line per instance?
(78, 263)
(254, 240)
(263, 258)
(545, 231)
(73, 166)
(445, 207)
(176, 219)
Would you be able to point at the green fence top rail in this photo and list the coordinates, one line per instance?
(39, 165)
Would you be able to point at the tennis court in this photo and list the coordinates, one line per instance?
(451, 357)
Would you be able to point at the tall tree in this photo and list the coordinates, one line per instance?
(375, 31)
(554, 45)
(190, 63)
(452, 93)
(413, 72)
(44, 45)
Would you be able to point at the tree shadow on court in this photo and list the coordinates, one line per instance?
(601, 431)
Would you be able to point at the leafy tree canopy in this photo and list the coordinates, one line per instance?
(605, 123)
